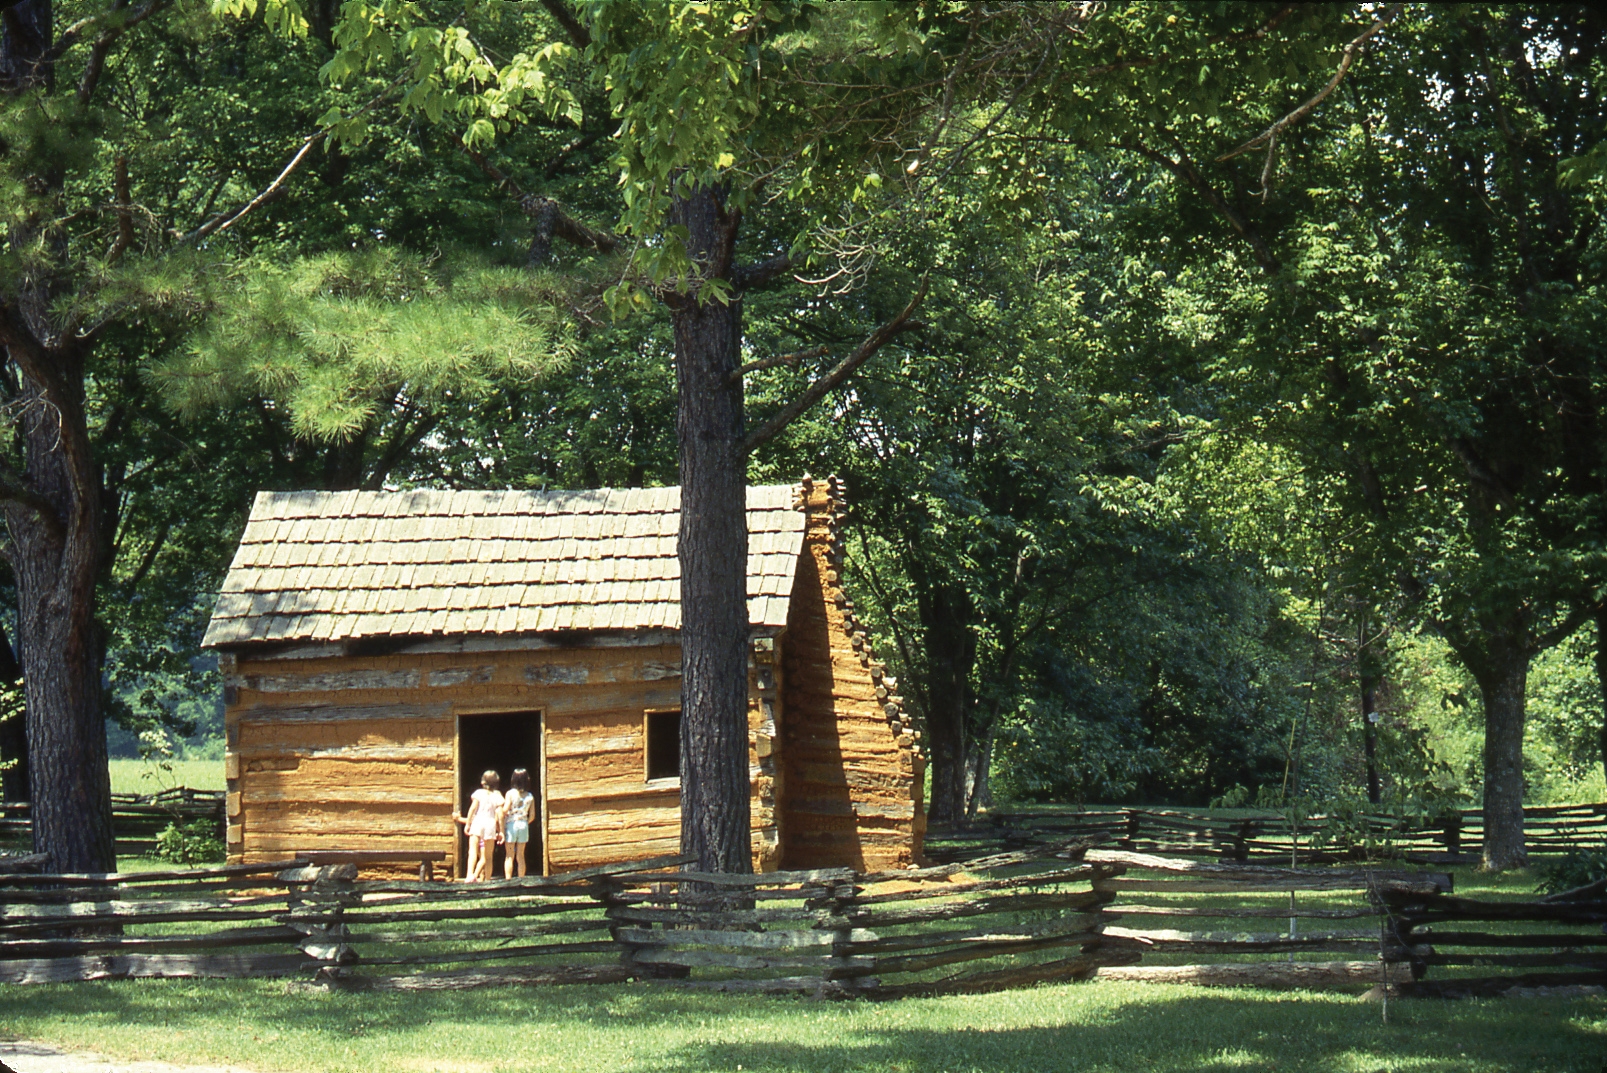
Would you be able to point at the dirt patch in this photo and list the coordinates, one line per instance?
(24, 1056)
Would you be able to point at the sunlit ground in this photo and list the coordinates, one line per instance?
(615, 1029)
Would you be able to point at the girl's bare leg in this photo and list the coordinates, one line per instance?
(518, 855)
(472, 871)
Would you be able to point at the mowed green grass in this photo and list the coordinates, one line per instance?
(639, 1027)
(140, 777)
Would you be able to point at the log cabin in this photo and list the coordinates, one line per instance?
(380, 650)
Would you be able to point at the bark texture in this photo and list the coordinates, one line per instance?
(53, 512)
(1369, 707)
(1503, 676)
(26, 32)
(13, 732)
(56, 556)
(1601, 678)
(713, 551)
(950, 657)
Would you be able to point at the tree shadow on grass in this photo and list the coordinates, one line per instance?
(1203, 1031)
(1088, 1027)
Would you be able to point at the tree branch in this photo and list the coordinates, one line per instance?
(1566, 628)
(1479, 471)
(845, 368)
(125, 215)
(224, 221)
(760, 272)
(148, 560)
(557, 163)
(1184, 169)
(1345, 60)
(72, 35)
(572, 26)
(780, 359)
(551, 220)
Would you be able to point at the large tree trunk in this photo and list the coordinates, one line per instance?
(1369, 727)
(57, 562)
(1601, 679)
(26, 32)
(950, 649)
(713, 553)
(13, 732)
(1502, 671)
(979, 772)
(57, 546)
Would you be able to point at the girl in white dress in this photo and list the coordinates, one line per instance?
(483, 825)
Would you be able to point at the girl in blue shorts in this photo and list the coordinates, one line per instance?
(518, 812)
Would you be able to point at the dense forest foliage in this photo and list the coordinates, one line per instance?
(1251, 386)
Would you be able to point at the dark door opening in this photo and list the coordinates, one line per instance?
(500, 743)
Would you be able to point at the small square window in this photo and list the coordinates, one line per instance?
(663, 745)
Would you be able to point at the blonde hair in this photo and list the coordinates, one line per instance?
(490, 780)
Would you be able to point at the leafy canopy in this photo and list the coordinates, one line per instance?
(336, 338)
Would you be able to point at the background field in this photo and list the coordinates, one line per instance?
(140, 777)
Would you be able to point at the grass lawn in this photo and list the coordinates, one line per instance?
(139, 777)
(637, 1027)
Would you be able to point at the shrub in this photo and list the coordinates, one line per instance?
(194, 842)
(1578, 868)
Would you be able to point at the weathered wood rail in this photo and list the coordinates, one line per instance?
(1222, 917)
(1562, 934)
(1003, 922)
(1450, 838)
(430, 936)
(296, 918)
(218, 922)
(136, 818)
(1062, 913)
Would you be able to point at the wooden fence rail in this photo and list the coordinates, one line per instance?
(197, 922)
(1563, 934)
(298, 918)
(1450, 838)
(1061, 912)
(1222, 918)
(136, 818)
(1003, 922)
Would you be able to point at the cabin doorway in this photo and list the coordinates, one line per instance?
(500, 742)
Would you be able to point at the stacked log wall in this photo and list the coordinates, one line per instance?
(853, 769)
(357, 753)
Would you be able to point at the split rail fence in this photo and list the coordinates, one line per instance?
(1456, 837)
(995, 923)
(295, 918)
(1226, 924)
(1054, 913)
(1435, 932)
(136, 818)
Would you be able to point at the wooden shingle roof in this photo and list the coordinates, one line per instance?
(338, 566)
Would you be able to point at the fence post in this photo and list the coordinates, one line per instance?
(835, 981)
(1453, 834)
(317, 897)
